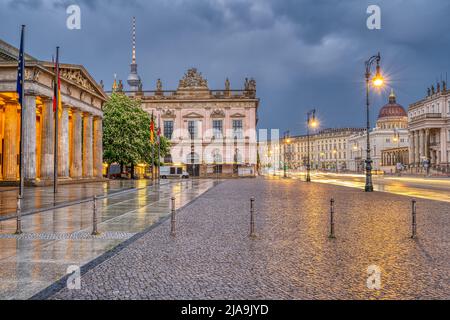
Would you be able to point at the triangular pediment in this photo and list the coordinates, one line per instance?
(237, 115)
(77, 75)
(193, 115)
(11, 53)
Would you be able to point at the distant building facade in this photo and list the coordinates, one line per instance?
(388, 140)
(80, 148)
(429, 130)
(328, 149)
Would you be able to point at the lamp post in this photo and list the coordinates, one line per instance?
(377, 81)
(322, 154)
(269, 159)
(397, 152)
(286, 141)
(310, 122)
(335, 157)
(276, 160)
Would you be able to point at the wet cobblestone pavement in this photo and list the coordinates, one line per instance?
(56, 239)
(212, 256)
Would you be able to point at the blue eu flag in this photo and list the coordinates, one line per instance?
(20, 68)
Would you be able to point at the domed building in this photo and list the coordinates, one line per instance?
(388, 140)
(392, 115)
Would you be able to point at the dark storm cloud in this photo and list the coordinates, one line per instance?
(303, 53)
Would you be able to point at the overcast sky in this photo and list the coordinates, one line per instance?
(302, 53)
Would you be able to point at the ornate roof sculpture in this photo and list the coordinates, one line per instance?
(193, 79)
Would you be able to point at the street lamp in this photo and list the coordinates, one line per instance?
(322, 154)
(397, 152)
(286, 141)
(311, 122)
(377, 82)
(275, 161)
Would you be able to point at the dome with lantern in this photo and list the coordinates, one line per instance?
(392, 115)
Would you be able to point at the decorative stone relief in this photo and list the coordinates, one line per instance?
(167, 113)
(217, 113)
(77, 77)
(32, 74)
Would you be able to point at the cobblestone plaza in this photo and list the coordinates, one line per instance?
(292, 257)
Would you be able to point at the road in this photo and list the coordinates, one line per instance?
(418, 187)
(212, 256)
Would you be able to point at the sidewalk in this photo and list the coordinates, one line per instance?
(42, 197)
(56, 239)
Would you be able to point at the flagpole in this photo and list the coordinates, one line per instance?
(21, 98)
(56, 107)
(159, 147)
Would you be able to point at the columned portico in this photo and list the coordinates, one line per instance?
(47, 140)
(29, 138)
(10, 147)
(63, 143)
(428, 119)
(81, 98)
(87, 146)
(75, 145)
(98, 147)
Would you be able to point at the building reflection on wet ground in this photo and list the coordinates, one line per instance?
(56, 239)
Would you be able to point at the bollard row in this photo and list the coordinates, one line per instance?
(332, 218)
(19, 215)
(94, 217)
(252, 217)
(172, 217)
(413, 219)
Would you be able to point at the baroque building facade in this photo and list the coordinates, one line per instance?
(429, 130)
(79, 126)
(212, 132)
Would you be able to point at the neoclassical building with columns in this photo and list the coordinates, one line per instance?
(429, 130)
(79, 144)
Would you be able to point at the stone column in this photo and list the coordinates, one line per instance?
(75, 155)
(98, 147)
(427, 144)
(421, 145)
(443, 145)
(29, 138)
(63, 143)
(417, 148)
(87, 146)
(47, 140)
(11, 149)
(411, 147)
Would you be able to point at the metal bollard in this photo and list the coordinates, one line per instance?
(94, 217)
(414, 222)
(332, 218)
(19, 215)
(172, 217)
(252, 217)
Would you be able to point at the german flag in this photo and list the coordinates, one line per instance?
(152, 129)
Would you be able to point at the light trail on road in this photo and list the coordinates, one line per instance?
(418, 187)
